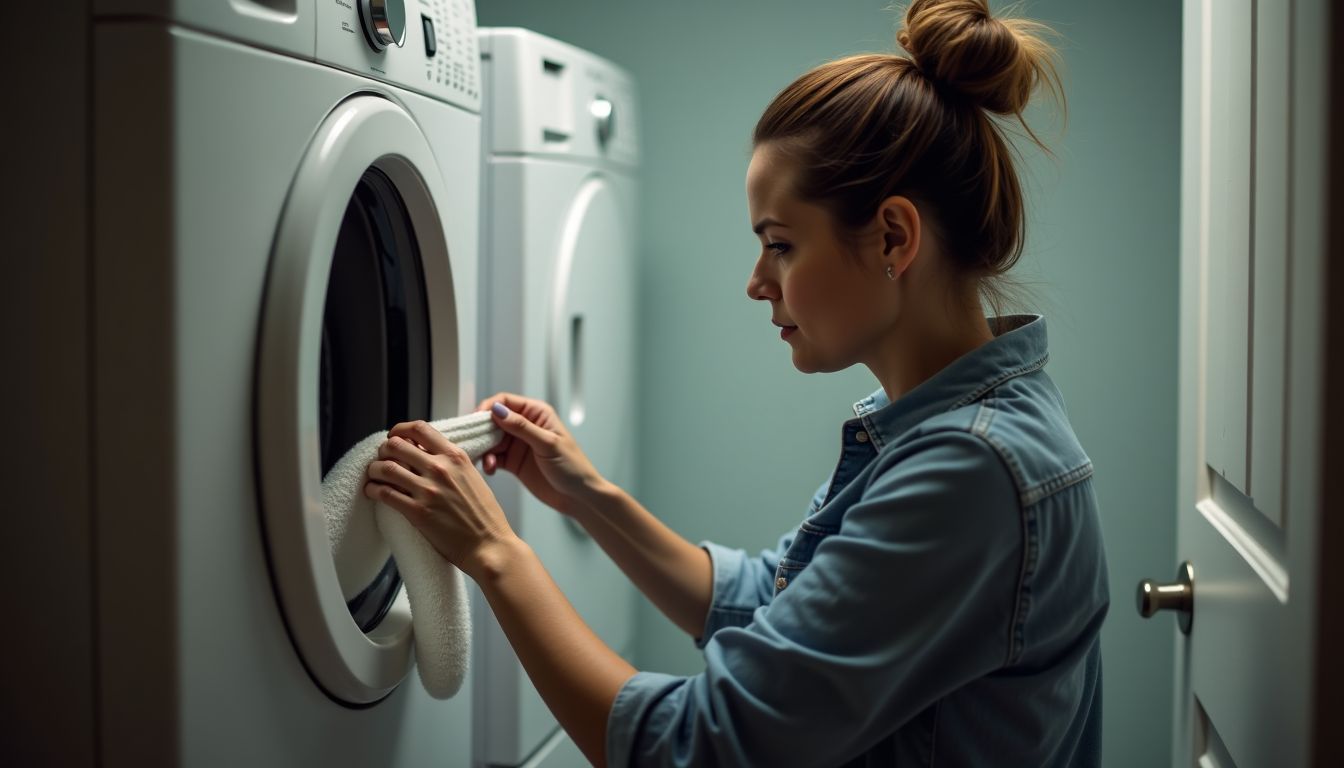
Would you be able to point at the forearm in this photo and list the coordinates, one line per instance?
(673, 573)
(577, 675)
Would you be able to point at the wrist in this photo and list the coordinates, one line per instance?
(494, 558)
(595, 496)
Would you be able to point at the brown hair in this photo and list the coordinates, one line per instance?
(864, 128)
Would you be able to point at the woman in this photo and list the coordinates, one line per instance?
(941, 602)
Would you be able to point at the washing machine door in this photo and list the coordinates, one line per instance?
(590, 352)
(349, 345)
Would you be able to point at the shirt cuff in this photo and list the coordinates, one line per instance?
(735, 598)
(632, 708)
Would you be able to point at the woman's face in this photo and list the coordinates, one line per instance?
(830, 297)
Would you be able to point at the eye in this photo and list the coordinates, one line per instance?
(779, 248)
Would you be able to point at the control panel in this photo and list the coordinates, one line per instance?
(427, 46)
(550, 98)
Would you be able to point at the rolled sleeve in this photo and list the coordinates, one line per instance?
(739, 589)
(912, 598)
(743, 583)
(637, 699)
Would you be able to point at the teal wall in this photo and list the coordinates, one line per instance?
(734, 440)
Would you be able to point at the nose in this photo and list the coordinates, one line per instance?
(760, 286)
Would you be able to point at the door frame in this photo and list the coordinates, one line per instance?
(1328, 701)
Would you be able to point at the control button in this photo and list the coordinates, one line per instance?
(431, 46)
(603, 112)
(862, 437)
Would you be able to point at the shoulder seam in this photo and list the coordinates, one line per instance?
(1027, 517)
(1057, 483)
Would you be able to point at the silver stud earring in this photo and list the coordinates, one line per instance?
(890, 274)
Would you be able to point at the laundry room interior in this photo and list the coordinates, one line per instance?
(389, 365)
(728, 456)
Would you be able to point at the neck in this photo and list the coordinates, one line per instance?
(922, 344)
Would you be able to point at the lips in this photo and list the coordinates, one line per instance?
(785, 331)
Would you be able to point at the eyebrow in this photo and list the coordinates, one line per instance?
(766, 222)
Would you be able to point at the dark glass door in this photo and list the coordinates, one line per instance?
(375, 368)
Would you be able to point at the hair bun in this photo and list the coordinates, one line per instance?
(960, 46)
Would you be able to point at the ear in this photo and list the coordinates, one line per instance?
(899, 224)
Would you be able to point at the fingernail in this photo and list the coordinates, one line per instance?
(500, 410)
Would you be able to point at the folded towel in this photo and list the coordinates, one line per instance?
(363, 533)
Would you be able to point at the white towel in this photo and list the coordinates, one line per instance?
(361, 531)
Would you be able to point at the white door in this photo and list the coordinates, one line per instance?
(590, 353)
(1254, 143)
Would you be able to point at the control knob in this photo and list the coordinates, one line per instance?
(384, 22)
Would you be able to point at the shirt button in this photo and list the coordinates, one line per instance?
(862, 437)
(781, 583)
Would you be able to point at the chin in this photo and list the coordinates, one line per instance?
(808, 365)
(801, 363)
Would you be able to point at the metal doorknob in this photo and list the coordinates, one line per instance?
(1178, 596)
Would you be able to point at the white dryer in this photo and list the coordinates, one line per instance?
(559, 262)
(284, 259)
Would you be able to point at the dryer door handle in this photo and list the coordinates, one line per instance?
(577, 410)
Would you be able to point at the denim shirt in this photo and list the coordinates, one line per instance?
(939, 605)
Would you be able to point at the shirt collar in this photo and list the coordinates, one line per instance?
(1018, 347)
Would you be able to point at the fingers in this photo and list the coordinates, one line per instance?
(538, 411)
(511, 454)
(415, 444)
(391, 473)
(405, 453)
(516, 424)
(515, 402)
(517, 457)
(422, 434)
(396, 499)
(394, 485)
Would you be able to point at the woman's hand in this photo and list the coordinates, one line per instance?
(424, 476)
(540, 451)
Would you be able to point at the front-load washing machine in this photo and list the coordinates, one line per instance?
(559, 266)
(284, 205)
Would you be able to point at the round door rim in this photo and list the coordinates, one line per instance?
(575, 216)
(363, 132)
